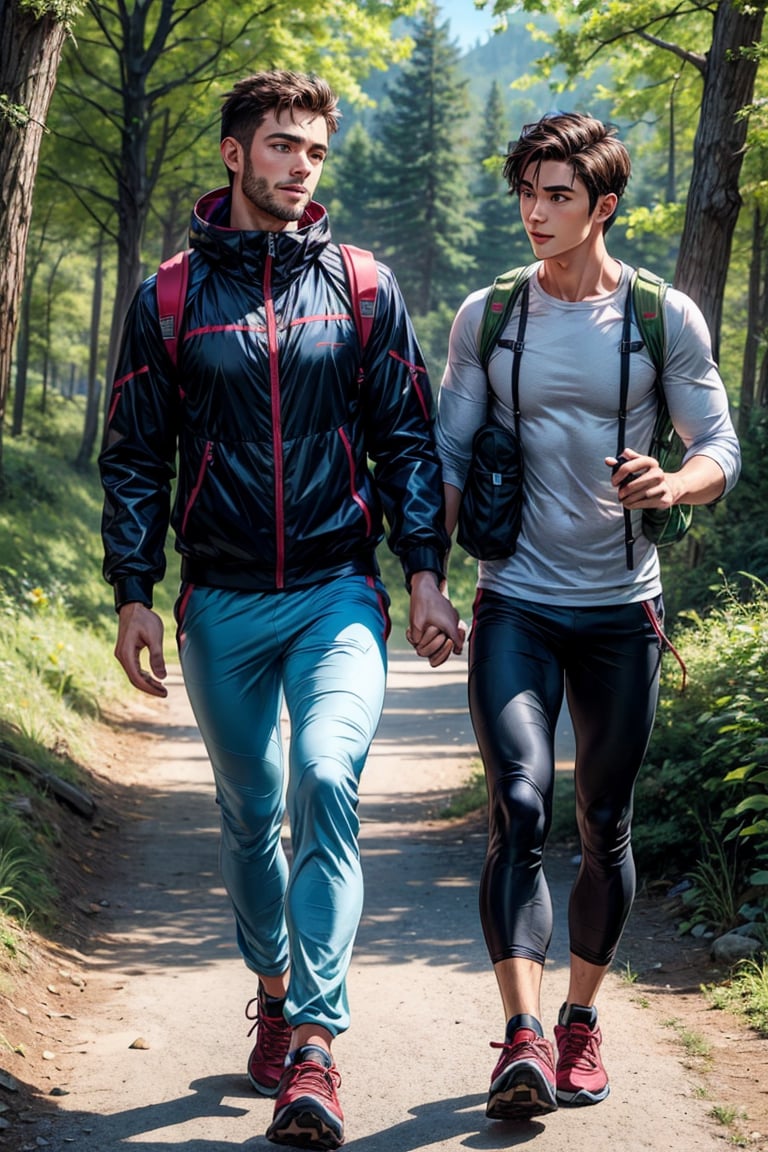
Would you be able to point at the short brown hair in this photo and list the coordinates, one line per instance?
(591, 148)
(245, 108)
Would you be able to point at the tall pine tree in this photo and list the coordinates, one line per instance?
(424, 212)
(501, 242)
(349, 188)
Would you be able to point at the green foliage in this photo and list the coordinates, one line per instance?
(62, 11)
(470, 797)
(17, 115)
(745, 992)
(714, 893)
(25, 890)
(700, 800)
(56, 667)
(54, 605)
(42, 491)
(725, 541)
(433, 331)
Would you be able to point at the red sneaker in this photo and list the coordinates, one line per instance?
(580, 1076)
(266, 1062)
(307, 1109)
(523, 1081)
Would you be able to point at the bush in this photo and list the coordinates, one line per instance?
(701, 805)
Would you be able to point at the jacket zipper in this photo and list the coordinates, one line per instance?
(205, 463)
(277, 432)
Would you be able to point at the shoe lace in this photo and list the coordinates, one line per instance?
(315, 1079)
(273, 1036)
(517, 1049)
(536, 1042)
(579, 1048)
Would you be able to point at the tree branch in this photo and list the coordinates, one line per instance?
(697, 59)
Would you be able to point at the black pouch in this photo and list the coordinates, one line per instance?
(491, 506)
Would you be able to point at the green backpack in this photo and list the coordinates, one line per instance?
(660, 525)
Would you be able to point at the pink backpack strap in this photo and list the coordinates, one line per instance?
(173, 275)
(360, 266)
(171, 289)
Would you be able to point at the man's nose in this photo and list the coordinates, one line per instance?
(301, 163)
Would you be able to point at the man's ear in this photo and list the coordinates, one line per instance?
(606, 206)
(232, 153)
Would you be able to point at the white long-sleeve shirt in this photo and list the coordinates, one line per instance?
(571, 547)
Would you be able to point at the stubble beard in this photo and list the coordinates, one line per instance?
(256, 189)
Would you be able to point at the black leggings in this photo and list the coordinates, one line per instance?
(521, 658)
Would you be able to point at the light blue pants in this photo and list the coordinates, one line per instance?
(324, 648)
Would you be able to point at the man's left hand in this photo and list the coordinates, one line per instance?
(434, 630)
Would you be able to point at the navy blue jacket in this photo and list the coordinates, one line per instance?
(287, 458)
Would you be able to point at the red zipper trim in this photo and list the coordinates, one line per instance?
(277, 431)
(117, 389)
(211, 329)
(182, 606)
(206, 460)
(355, 494)
(386, 621)
(413, 372)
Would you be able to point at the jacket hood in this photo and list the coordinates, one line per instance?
(211, 235)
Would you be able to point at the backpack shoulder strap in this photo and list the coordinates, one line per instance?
(171, 290)
(498, 304)
(360, 266)
(648, 292)
(173, 276)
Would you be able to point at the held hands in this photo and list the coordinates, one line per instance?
(139, 628)
(434, 631)
(640, 482)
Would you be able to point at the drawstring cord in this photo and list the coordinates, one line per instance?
(665, 641)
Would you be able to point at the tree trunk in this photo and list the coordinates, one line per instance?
(30, 49)
(713, 203)
(749, 364)
(135, 182)
(49, 365)
(91, 423)
(128, 280)
(22, 354)
(761, 390)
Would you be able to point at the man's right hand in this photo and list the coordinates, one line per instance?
(139, 628)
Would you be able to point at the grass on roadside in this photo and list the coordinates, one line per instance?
(745, 993)
(57, 671)
(54, 678)
(695, 1046)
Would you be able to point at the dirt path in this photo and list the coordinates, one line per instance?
(416, 1062)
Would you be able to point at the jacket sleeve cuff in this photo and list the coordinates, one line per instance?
(422, 559)
(131, 589)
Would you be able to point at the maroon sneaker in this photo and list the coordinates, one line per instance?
(580, 1075)
(523, 1081)
(307, 1110)
(266, 1062)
